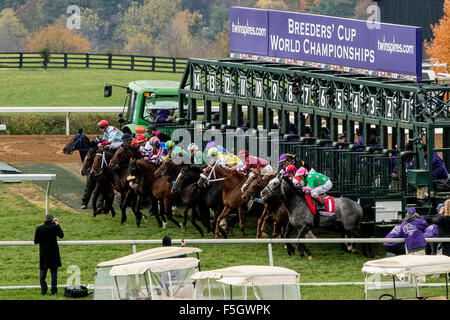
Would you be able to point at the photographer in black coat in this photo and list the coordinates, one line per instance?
(49, 257)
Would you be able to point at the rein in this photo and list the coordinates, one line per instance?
(78, 141)
(213, 171)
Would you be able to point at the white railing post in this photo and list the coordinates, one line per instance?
(68, 123)
(269, 247)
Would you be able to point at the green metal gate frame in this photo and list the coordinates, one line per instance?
(407, 107)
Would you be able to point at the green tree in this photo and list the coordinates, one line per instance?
(30, 14)
(93, 27)
(337, 8)
(220, 19)
(12, 32)
(140, 25)
(271, 5)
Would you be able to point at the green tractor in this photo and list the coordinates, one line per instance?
(149, 102)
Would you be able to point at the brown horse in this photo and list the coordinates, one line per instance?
(272, 209)
(116, 177)
(99, 172)
(232, 182)
(159, 188)
(191, 195)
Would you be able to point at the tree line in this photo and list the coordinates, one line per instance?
(176, 28)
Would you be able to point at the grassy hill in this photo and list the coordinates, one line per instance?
(68, 87)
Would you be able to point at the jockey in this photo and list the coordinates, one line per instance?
(152, 132)
(197, 157)
(286, 159)
(141, 142)
(111, 135)
(158, 150)
(226, 160)
(290, 171)
(299, 177)
(252, 162)
(316, 184)
(173, 150)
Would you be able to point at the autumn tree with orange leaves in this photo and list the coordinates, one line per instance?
(439, 47)
(57, 38)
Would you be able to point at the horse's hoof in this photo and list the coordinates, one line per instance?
(164, 225)
(264, 235)
(310, 258)
(182, 227)
(113, 214)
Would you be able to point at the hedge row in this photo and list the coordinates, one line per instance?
(54, 123)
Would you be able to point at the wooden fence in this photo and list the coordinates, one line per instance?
(93, 60)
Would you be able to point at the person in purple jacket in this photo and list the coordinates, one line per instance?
(439, 170)
(394, 248)
(412, 230)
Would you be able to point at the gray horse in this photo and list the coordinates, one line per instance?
(348, 213)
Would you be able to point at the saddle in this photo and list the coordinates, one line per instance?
(329, 210)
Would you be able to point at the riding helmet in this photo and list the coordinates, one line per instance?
(103, 124)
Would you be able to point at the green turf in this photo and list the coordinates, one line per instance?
(20, 264)
(68, 87)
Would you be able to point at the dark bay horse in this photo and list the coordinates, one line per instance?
(115, 177)
(232, 182)
(159, 188)
(78, 142)
(99, 171)
(348, 213)
(205, 198)
(190, 194)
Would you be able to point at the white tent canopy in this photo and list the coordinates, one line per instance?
(154, 266)
(248, 274)
(405, 265)
(151, 254)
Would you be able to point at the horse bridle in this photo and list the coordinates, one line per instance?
(78, 141)
(213, 171)
(103, 162)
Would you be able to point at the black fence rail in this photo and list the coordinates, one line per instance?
(93, 60)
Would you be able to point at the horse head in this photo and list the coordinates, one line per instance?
(100, 162)
(254, 174)
(273, 188)
(163, 168)
(88, 160)
(121, 157)
(78, 142)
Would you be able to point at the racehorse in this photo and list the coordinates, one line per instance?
(102, 180)
(190, 195)
(348, 213)
(78, 142)
(232, 182)
(116, 178)
(159, 188)
(273, 207)
(209, 196)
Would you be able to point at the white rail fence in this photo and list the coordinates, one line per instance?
(31, 177)
(190, 242)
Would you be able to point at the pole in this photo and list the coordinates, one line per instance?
(67, 123)
(269, 247)
(47, 196)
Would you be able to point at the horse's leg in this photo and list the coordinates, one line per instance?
(263, 226)
(260, 220)
(194, 215)
(168, 207)
(95, 196)
(301, 246)
(242, 212)
(289, 247)
(185, 215)
(224, 213)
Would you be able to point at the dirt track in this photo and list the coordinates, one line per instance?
(48, 149)
(35, 149)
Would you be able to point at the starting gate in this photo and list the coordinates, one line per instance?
(402, 113)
